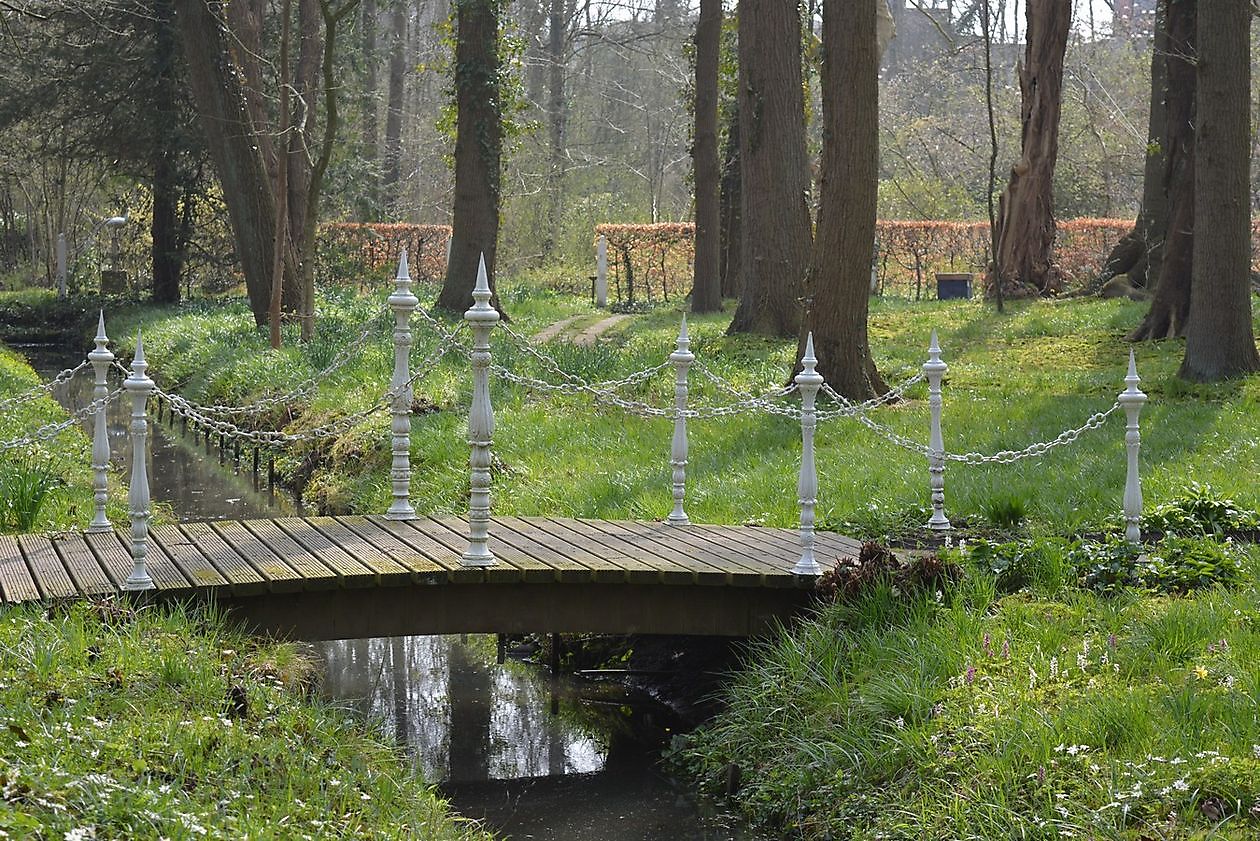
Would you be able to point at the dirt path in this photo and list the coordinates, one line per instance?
(585, 337)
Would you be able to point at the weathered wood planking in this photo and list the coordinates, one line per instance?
(256, 557)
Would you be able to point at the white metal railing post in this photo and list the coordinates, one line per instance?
(482, 318)
(934, 370)
(809, 381)
(601, 271)
(403, 303)
(682, 358)
(139, 386)
(1131, 400)
(101, 359)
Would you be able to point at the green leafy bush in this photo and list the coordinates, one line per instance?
(1200, 510)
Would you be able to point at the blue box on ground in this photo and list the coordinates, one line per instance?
(950, 286)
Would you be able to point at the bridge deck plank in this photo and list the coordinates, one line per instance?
(706, 568)
(642, 565)
(603, 566)
(16, 583)
(82, 565)
(317, 547)
(113, 551)
(418, 539)
(524, 567)
(279, 575)
(46, 568)
(685, 547)
(242, 578)
(187, 557)
(766, 546)
(421, 568)
(827, 545)
(387, 571)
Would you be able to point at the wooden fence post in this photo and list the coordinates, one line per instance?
(101, 358)
(934, 369)
(682, 358)
(1131, 400)
(482, 318)
(139, 386)
(403, 303)
(809, 381)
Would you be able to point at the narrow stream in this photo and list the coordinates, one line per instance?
(484, 730)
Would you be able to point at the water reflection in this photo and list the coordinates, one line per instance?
(185, 474)
(463, 717)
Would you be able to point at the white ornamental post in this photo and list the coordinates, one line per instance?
(139, 386)
(809, 381)
(934, 369)
(403, 303)
(601, 271)
(481, 317)
(682, 358)
(101, 358)
(1131, 400)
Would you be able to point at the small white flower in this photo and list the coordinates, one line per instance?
(1181, 785)
(80, 833)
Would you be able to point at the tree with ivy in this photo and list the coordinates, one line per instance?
(478, 93)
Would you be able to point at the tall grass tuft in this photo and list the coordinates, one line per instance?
(27, 482)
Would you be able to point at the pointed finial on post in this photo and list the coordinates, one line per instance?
(1132, 399)
(809, 381)
(139, 386)
(482, 318)
(101, 359)
(682, 357)
(934, 371)
(403, 303)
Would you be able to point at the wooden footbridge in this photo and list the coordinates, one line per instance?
(351, 577)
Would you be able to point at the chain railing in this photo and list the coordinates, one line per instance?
(49, 431)
(37, 391)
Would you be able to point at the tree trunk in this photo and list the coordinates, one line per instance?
(369, 209)
(731, 200)
(478, 150)
(230, 136)
(839, 279)
(1219, 339)
(706, 290)
(1140, 253)
(394, 110)
(1025, 223)
(557, 115)
(302, 127)
(1170, 249)
(167, 253)
(775, 169)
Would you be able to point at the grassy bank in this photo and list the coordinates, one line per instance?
(1046, 689)
(162, 724)
(1014, 379)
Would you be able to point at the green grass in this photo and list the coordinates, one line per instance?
(964, 714)
(1044, 367)
(47, 486)
(159, 723)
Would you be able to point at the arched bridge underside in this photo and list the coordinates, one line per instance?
(350, 577)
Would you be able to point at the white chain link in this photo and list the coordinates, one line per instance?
(186, 409)
(850, 409)
(1002, 457)
(43, 388)
(522, 343)
(51, 430)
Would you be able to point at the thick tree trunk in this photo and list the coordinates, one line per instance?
(230, 136)
(1025, 223)
(302, 128)
(706, 290)
(478, 150)
(1170, 249)
(731, 200)
(167, 253)
(394, 111)
(839, 279)
(775, 169)
(1219, 339)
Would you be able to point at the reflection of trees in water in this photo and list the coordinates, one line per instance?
(458, 712)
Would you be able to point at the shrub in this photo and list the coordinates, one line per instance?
(1200, 510)
(26, 483)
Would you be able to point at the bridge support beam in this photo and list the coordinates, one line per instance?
(403, 303)
(482, 318)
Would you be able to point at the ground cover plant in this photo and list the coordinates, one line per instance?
(160, 723)
(1045, 367)
(1003, 705)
